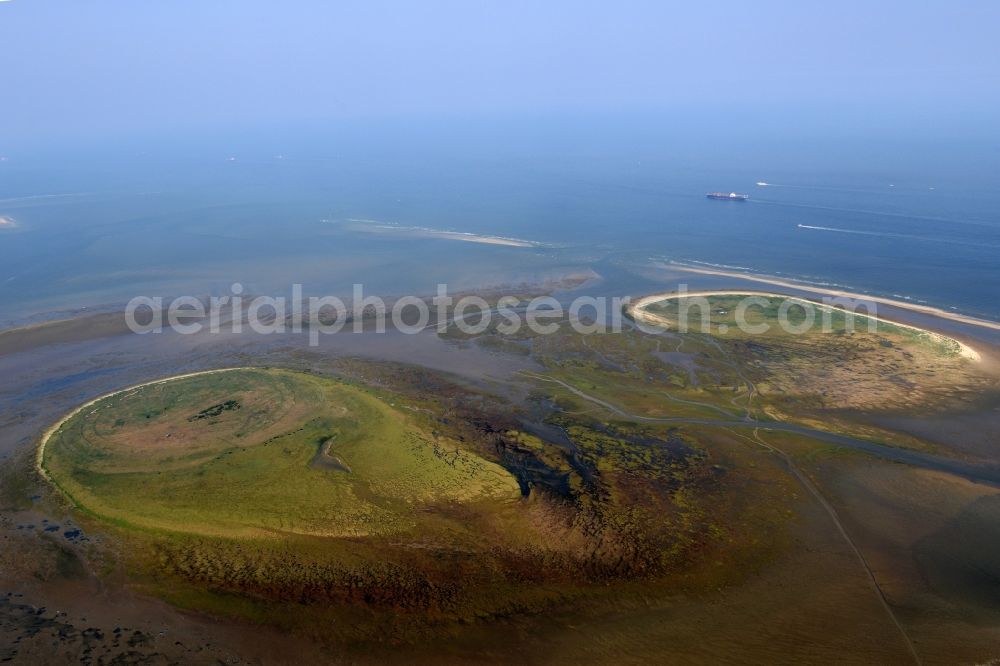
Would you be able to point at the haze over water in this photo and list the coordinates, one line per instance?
(97, 225)
(176, 148)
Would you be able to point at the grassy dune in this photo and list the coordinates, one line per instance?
(256, 452)
(832, 360)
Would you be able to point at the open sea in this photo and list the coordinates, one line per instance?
(96, 225)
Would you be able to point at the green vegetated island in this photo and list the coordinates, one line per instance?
(634, 470)
(261, 453)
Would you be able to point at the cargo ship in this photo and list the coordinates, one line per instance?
(730, 196)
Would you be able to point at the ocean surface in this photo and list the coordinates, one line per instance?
(94, 226)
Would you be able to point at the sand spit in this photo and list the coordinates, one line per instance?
(637, 310)
(765, 279)
(376, 227)
(474, 238)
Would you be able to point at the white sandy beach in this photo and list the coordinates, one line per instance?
(778, 282)
(474, 238)
(377, 227)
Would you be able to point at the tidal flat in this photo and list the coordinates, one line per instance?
(556, 498)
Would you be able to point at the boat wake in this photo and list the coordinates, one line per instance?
(887, 234)
(828, 188)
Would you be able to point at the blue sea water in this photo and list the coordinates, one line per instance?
(911, 218)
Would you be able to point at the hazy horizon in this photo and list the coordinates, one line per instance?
(107, 70)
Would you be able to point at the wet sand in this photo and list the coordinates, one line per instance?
(61, 331)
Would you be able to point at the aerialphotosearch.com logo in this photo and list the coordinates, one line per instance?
(471, 314)
(326, 315)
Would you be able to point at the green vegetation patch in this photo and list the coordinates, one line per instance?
(254, 452)
(722, 315)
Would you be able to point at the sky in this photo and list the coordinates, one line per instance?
(101, 67)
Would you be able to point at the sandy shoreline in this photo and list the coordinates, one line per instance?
(778, 282)
(51, 430)
(637, 310)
